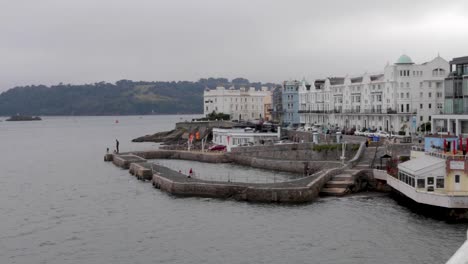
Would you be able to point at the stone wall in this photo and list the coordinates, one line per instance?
(306, 137)
(295, 166)
(197, 188)
(295, 151)
(184, 155)
(283, 193)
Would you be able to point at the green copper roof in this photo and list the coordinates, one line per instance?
(404, 59)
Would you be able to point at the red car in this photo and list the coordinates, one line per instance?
(217, 148)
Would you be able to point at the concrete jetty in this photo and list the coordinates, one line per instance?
(125, 160)
(141, 170)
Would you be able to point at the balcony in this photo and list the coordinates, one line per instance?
(369, 111)
(317, 111)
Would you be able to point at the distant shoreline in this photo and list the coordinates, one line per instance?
(7, 116)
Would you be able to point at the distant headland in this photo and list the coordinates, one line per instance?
(125, 97)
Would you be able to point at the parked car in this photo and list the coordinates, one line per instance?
(217, 148)
(367, 133)
(382, 134)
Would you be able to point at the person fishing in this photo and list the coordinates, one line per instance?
(117, 146)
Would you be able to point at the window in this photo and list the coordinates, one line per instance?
(430, 84)
(420, 106)
(420, 84)
(421, 118)
(440, 183)
(407, 95)
(430, 117)
(421, 183)
(430, 180)
(430, 95)
(457, 178)
(430, 106)
(407, 108)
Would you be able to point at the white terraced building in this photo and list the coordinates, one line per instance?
(240, 104)
(401, 98)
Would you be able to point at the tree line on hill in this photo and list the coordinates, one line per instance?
(125, 97)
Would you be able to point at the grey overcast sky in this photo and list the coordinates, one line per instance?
(86, 41)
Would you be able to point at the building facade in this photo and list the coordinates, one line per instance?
(455, 117)
(290, 102)
(277, 104)
(267, 106)
(401, 98)
(240, 104)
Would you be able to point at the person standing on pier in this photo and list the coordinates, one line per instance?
(117, 145)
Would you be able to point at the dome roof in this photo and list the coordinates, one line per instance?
(404, 59)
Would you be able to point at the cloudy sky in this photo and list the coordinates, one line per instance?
(86, 41)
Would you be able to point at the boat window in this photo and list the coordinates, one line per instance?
(421, 183)
(440, 183)
(430, 180)
(457, 178)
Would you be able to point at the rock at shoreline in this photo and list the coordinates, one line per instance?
(23, 118)
(172, 136)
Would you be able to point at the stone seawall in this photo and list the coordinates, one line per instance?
(296, 151)
(290, 192)
(295, 166)
(196, 188)
(184, 155)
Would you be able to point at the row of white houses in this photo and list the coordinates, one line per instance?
(402, 97)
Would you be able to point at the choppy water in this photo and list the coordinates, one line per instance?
(60, 203)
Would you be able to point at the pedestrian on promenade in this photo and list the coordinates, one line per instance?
(367, 143)
(190, 173)
(117, 145)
